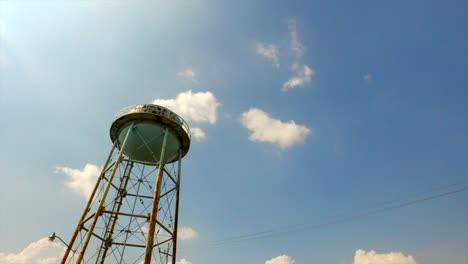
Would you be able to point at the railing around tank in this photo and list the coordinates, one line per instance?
(156, 110)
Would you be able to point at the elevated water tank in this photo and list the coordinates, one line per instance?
(149, 123)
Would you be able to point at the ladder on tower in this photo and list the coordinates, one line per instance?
(121, 193)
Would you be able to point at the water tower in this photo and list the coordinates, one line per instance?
(132, 213)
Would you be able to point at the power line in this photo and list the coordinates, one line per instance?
(298, 227)
(375, 205)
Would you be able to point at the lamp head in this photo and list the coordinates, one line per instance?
(52, 237)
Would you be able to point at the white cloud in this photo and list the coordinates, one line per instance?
(81, 181)
(40, 252)
(372, 257)
(274, 131)
(283, 259)
(184, 233)
(296, 45)
(198, 133)
(157, 231)
(188, 74)
(304, 74)
(183, 261)
(187, 233)
(145, 229)
(367, 77)
(268, 51)
(196, 107)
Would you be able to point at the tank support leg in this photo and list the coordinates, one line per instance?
(154, 209)
(85, 211)
(103, 198)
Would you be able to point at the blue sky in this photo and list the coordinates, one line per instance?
(375, 111)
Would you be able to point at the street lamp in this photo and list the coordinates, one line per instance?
(53, 236)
